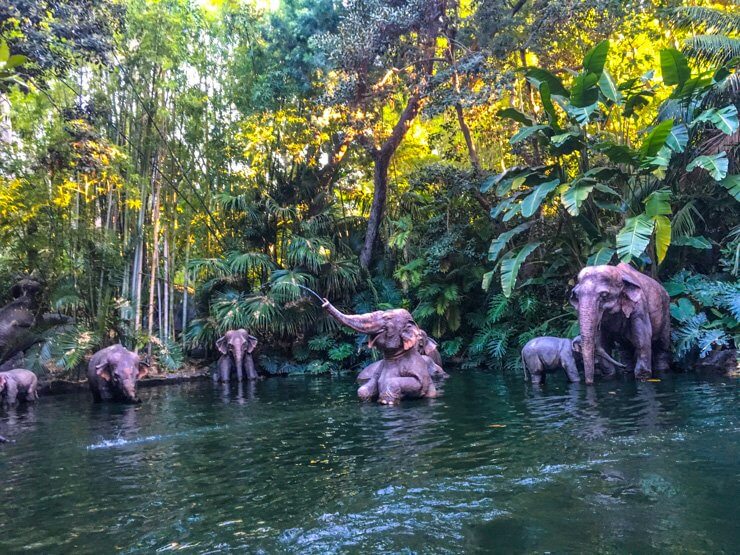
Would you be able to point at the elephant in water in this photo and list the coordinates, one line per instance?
(619, 304)
(236, 347)
(404, 372)
(18, 383)
(112, 374)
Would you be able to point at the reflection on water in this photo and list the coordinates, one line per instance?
(298, 465)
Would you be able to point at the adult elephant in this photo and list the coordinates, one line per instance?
(236, 347)
(112, 374)
(619, 304)
(404, 372)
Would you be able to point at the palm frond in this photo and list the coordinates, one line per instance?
(700, 18)
(308, 253)
(712, 49)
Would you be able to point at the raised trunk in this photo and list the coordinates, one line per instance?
(364, 323)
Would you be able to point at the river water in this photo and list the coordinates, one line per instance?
(298, 465)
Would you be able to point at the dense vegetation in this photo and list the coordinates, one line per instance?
(173, 168)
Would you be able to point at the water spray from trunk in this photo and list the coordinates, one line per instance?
(314, 293)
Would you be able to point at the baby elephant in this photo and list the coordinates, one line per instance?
(542, 354)
(18, 382)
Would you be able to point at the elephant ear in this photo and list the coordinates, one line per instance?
(102, 371)
(576, 344)
(630, 296)
(428, 344)
(3, 380)
(222, 344)
(573, 299)
(251, 343)
(410, 336)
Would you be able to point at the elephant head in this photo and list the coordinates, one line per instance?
(428, 347)
(391, 331)
(237, 343)
(121, 368)
(602, 290)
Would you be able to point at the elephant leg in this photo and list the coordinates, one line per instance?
(224, 368)
(251, 372)
(569, 365)
(662, 349)
(369, 390)
(11, 393)
(642, 341)
(392, 390)
(536, 369)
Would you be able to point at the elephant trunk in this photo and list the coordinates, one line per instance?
(129, 391)
(364, 323)
(588, 320)
(239, 363)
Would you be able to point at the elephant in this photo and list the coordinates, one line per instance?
(550, 353)
(18, 382)
(403, 372)
(112, 374)
(236, 347)
(428, 348)
(619, 304)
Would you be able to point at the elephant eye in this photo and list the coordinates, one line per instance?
(604, 294)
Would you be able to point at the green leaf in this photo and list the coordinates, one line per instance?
(537, 75)
(596, 58)
(716, 165)
(725, 119)
(683, 309)
(619, 154)
(532, 202)
(602, 256)
(634, 237)
(609, 88)
(581, 115)
(662, 236)
(4, 51)
(674, 67)
(656, 138)
(583, 92)
(547, 103)
(15, 61)
(576, 194)
(526, 132)
(511, 264)
(678, 138)
(637, 101)
(732, 184)
(559, 140)
(697, 242)
(500, 242)
(487, 279)
(658, 203)
(516, 115)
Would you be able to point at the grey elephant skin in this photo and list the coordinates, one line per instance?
(403, 372)
(618, 304)
(546, 354)
(112, 374)
(236, 348)
(18, 383)
(428, 348)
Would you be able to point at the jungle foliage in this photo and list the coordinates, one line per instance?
(176, 168)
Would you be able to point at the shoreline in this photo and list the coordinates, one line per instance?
(60, 387)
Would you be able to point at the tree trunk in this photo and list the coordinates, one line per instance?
(382, 158)
(155, 248)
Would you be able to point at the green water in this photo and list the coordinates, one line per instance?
(298, 465)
